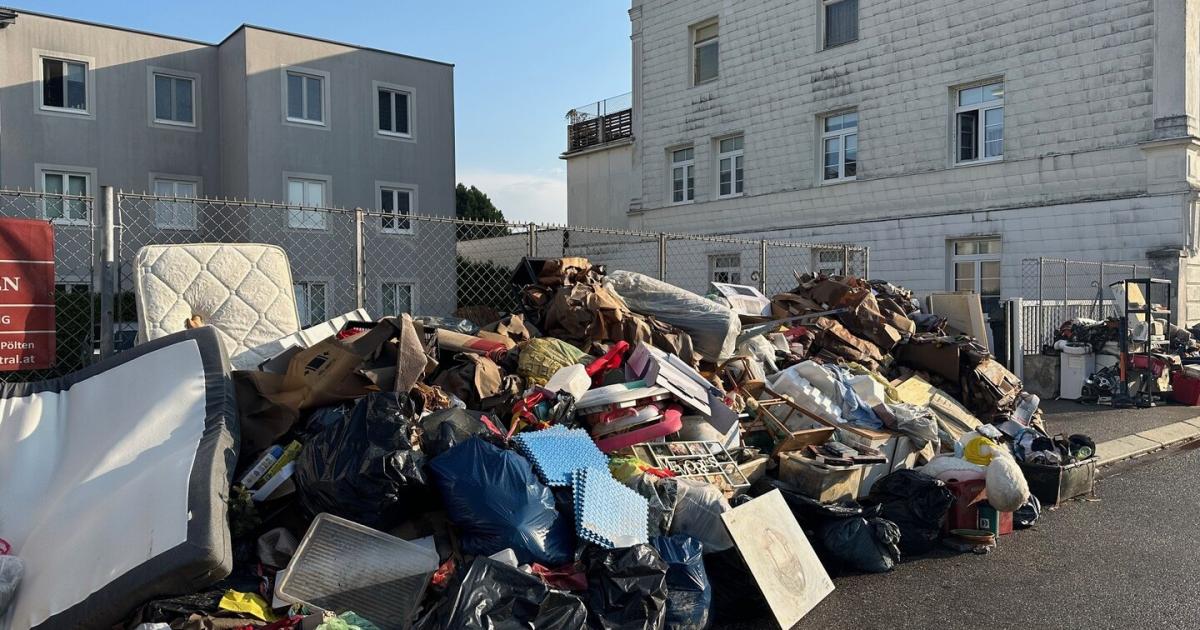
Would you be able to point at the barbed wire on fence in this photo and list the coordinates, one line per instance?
(384, 261)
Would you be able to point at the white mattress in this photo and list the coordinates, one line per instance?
(242, 290)
(110, 498)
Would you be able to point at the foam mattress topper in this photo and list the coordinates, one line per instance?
(112, 482)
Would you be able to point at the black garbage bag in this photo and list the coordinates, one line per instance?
(916, 503)
(689, 595)
(358, 463)
(498, 503)
(1027, 514)
(445, 429)
(627, 588)
(865, 544)
(496, 596)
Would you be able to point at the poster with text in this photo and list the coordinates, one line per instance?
(26, 294)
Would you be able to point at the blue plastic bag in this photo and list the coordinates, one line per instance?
(498, 503)
(689, 593)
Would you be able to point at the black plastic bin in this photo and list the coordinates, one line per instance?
(1054, 484)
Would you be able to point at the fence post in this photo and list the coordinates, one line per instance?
(532, 239)
(360, 260)
(866, 254)
(662, 256)
(1103, 295)
(762, 266)
(107, 267)
(845, 260)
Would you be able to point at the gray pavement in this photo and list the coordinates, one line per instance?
(1127, 559)
(1104, 423)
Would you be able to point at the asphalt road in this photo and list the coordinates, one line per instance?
(1127, 559)
(1104, 423)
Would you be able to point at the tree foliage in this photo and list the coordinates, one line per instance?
(473, 204)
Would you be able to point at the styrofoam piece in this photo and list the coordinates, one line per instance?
(620, 393)
(572, 379)
(607, 512)
(341, 566)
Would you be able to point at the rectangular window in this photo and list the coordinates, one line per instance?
(394, 112)
(683, 176)
(310, 303)
(830, 262)
(725, 268)
(308, 193)
(705, 53)
(176, 211)
(305, 98)
(397, 298)
(976, 266)
(174, 97)
(979, 123)
(839, 142)
(395, 205)
(64, 85)
(731, 178)
(841, 21)
(67, 208)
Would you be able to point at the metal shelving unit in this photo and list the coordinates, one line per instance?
(1144, 310)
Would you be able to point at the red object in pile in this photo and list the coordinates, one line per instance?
(1185, 389)
(964, 512)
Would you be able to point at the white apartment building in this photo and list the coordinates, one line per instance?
(955, 138)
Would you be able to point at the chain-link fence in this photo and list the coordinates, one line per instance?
(1054, 290)
(383, 261)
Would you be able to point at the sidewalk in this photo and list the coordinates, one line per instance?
(1123, 433)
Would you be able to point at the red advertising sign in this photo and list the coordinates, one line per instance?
(26, 294)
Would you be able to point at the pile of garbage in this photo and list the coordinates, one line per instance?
(618, 453)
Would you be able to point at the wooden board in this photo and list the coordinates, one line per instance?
(779, 556)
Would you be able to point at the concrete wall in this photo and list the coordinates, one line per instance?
(116, 136)
(599, 186)
(1078, 87)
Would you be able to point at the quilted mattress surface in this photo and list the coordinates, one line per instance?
(113, 482)
(242, 290)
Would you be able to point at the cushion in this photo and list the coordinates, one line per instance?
(112, 482)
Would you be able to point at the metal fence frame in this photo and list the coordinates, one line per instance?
(1055, 290)
(450, 264)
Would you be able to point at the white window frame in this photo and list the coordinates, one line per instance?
(394, 187)
(824, 8)
(151, 101)
(953, 258)
(411, 93)
(980, 124)
(694, 50)
(295, 211)
(836, 267)
(713, 268)
(689, 168)
(306, 308)
(160, 207)
(89, 174)
(89, 91)
(393, 283)
(310, 73)
(736, 157)
(840, 135)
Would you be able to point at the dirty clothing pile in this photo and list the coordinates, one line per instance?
(617, 453)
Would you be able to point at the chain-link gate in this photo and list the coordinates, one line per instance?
(385, 262)
(1055, 290)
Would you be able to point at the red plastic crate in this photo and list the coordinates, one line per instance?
(1185, 389)
(964, 512)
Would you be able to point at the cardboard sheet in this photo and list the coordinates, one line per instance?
(779, 556)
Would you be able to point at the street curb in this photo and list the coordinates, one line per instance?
(1139, 444)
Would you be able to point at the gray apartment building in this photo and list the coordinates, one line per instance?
(263, 115)
(955, 138)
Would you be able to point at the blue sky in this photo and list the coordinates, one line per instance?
(520, 65)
